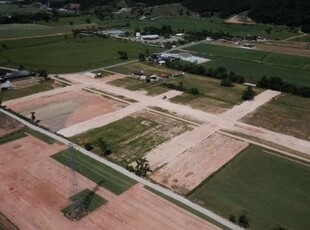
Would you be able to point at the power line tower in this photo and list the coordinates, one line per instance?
(77, 208)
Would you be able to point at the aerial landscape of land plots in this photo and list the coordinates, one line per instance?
(126, 115)
(34, 194)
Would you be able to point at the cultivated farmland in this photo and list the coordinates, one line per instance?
(61, 110)
(133, 136)
(199, 162)
(254, 64)
(58, 54)
(272, 191)
(286, 114)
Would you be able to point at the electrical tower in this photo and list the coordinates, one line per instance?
(77, 208)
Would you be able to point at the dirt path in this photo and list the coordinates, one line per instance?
(297, 36)
(100, 121)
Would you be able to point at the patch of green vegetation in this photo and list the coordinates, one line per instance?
(91, 201)
(302, 39)
(17, 93)
(133, 136)
(12, 137)
(41, 136)
(60, 55)
(108, 178)
(289, 115)
(273, 191)
(187, 208)
(255, 71)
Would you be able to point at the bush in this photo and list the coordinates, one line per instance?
(226, 83)
(88, 146)
(232, 218)
(130, 168)
(248, 94)
(194, 91)
(243, 221)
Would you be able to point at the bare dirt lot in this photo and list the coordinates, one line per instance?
(8, 125)
(34, 188)
(65, 109)
(199, 162)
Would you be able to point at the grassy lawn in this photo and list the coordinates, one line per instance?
(59, 55)
(91, 201)
(12, 137)
(273, 191)
(255, 64)
(108, 178)
(17, 93)
(133, 136)
(289, 115)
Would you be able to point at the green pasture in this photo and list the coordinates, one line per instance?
(60, 55)
(273, 192)
(99, 173)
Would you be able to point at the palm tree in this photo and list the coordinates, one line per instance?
(33, 116)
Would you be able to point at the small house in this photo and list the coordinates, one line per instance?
(6, 86)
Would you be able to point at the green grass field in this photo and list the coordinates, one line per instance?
(302, 39)
(17, 93)
(254, 64)
(273, 191)
(133, 136)
(12, 137)
(59, 55)
(91, 201)
(289, 115)
(108, 178)
(213, 24)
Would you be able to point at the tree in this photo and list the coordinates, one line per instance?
(33, 116)
(232, 218)
(87, 20)
(105, 149)
(123, 55)
(248, 94)
(226, 82)
(142, 167)
(71, 23)
(243, 221)
(21, 67)
(88, 146)
(141, 57)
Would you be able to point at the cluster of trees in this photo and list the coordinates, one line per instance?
(25, 18)
(103, 146)
(219, 73)
(201, 35)
(163, 31)
(242, 221)
(181, 87)
(276, 83)
(142, 167)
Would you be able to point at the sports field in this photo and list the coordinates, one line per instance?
(58, 54)
(133, 136)
(253, 64)
(289, 115)
(273, 191)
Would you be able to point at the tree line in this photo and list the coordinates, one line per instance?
(274, 83)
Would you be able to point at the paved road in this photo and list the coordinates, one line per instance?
(131, 175)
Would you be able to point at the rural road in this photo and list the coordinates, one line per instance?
(164, 191)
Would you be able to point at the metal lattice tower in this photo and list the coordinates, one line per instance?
(77, 208)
